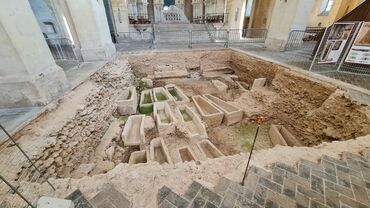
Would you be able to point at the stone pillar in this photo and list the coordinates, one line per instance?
(158, 7)
(28, 73)
(197, 8)
(150, 9)
(92, 29)
(120, 12)
(287, 16)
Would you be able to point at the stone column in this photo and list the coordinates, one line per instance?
(287, 16)
(28, 73)
(92, 29)
(158, 7)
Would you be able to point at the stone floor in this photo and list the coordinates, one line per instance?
(332, 183)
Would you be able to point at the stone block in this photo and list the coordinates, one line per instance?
(164, 118)
(169, 71)
(139, 157)
(190, 124)
(186, 154)
(258, 83)
(221, 87)
(49, 202)
(127, 102)
(279, 135)
(210, 113)
(161, 95)
(176, 94)
(232, 113)
(133, 133)
(209, 149)
(159, 151)
(146, 102)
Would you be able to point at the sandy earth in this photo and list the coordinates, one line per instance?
(71, 139)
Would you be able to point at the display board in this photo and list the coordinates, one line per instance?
(360, 50)
(338, 37)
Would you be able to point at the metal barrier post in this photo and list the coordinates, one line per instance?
(190, 45)
(227, 38)
(24, 153)
(16, 191)
(260, 122)
(317, 51)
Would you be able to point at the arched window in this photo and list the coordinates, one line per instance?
(49, 28)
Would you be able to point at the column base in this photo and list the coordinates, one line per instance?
(99, 54)
(27, 91)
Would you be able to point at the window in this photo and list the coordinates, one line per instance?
(325, 8)
(49, 28)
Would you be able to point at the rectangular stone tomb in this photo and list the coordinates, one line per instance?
(146, 102)
(139, 157)
(222, 87)
(208, 149)
(233, 114)
(164, 118)
(190, 123)
(133, 132)
(279, 135)
(258, 83)
(159, 152)
(169, 71)
(127, 102)
(177, 95)
(186, 154)
(161, 95)
(210, 113)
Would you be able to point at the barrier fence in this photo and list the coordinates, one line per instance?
(192, 37)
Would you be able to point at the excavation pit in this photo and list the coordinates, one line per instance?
(313, 111)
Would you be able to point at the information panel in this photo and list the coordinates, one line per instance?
(338, 37)
(360, 50)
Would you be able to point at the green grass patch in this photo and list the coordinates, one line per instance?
(245, 134)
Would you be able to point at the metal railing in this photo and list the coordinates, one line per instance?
(191, 37)
(138, 18)
(216, 17)
(61, 49)
(304, 39)
(125, 37)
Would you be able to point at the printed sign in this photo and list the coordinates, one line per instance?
(336, 42)
(360, 50)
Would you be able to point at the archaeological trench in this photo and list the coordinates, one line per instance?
(166, 109)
